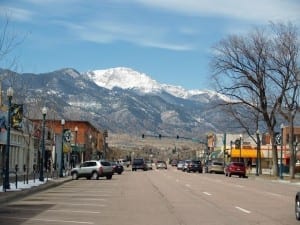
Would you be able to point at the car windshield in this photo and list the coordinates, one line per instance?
(138, 161)
(105, 163)
(238, 164)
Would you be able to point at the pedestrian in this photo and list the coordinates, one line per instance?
(249, 165)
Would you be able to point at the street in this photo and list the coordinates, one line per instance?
(159, 197)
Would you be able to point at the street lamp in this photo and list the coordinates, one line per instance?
(281, 144)
(105, 135)
(62, 150)
(224, 147)
(240, 148)
(231, 144)
(10, 93)
(257, 152)
(76, 131)
(44, 112)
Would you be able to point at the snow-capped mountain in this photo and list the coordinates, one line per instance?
(123, 101)
(127, 78)
(124, 78)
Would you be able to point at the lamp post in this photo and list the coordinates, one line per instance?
(62, 150)
(240, 159)
(105, 135)
(44, 112)
(257, 152)
(231, 144)
(281, 144)
(76, 131)
(10, 93)
(224, 147)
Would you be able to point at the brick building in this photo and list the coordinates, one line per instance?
(82, 141)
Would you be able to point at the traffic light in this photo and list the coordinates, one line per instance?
(105, 133)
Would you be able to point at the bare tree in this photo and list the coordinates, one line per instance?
(286, 64)
(244, 69)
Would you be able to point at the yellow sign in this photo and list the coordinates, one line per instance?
(245, 153)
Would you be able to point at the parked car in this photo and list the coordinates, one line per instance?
(174, 162)
(161, 165)
(297, 205)
(93, 169)
(194, 166)
(123, 162)
(149, 165)
(180, 165)
(118, 168)
(139, 164)
(215, 167)
(185, 165)
(235, 168)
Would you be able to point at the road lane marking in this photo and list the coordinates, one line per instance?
(59, 210)
(243, 210)
(59, 195)
(273, 194)
(80, 198)
(64, 203)
(74, 204)
(45, 220)
(206, 193)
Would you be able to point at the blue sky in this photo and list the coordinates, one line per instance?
(169, 40)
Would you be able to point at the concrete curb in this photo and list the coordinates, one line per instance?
(7, 197)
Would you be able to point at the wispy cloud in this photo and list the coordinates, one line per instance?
(255, 10)
(17, 14)
(107, 32)
(122, 20)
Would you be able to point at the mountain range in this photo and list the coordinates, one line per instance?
(123, 101)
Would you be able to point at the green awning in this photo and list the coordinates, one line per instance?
(78, 149)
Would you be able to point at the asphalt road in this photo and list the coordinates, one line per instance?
(158, 197)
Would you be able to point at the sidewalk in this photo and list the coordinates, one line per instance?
(268, 176)
(32, 187)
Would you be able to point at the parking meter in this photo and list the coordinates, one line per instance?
(34, 168)
(24, 170)
(16, 168)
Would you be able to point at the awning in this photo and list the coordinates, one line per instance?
(78, 149)
(245, 153)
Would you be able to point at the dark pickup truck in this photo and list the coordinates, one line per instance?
(139, 164)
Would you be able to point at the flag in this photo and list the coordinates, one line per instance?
(16, 116)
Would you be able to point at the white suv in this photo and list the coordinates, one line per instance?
(93, 169)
